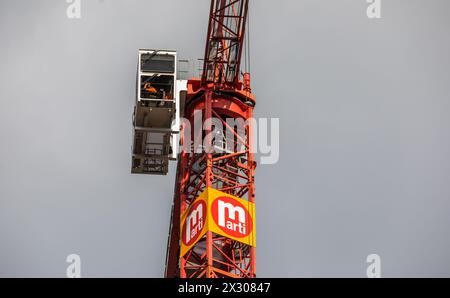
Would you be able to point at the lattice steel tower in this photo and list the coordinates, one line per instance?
(212, 231)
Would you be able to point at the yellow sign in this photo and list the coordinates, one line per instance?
(219, 213)
(193, 223)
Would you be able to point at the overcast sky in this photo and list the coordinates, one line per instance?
(363, 105)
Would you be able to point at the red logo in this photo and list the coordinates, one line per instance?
(194, 223)
(231, 217)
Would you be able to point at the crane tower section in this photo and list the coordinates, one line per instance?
(212, 231)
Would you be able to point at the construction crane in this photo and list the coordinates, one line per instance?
(212, 232)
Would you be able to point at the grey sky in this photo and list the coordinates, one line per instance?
(363, 106)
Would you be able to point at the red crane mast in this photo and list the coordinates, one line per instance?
(222, 93)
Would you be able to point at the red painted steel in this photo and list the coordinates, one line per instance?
(221, 94)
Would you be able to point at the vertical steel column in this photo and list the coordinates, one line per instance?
(208, 175)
